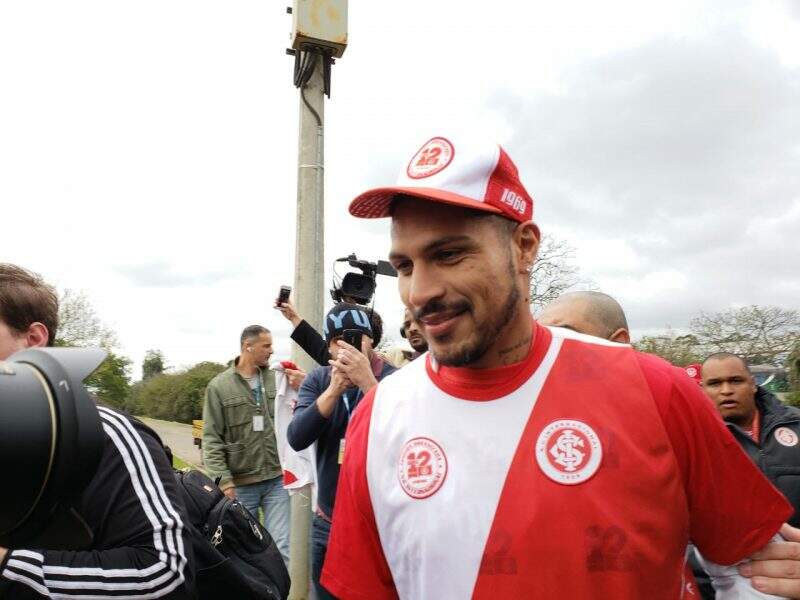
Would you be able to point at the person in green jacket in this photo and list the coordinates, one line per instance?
(239, 444)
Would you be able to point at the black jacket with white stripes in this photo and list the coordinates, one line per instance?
(141, 548)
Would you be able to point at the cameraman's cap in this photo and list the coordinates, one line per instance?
(473, 173)
(346, 316)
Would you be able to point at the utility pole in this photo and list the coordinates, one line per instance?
(319, 33)
(309, 284)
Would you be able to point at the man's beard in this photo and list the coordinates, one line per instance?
(485, 333)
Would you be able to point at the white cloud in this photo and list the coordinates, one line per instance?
(148, 150)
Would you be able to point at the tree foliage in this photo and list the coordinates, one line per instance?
(79, 326)
(759, 334)
(554, 272)
(173, 396)
(153, 364)
(111, 381)
(680, 350)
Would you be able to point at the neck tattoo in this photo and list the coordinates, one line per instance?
(510, 355)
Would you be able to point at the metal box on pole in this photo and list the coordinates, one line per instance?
(321, 23)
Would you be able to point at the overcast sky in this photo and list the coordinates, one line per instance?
(148, 149)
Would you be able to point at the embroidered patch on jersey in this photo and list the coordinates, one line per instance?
(433, 157)
(786, 436)
(422, 467)
(568, 451)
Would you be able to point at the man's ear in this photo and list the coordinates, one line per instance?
(621, 336)
(37, 335)
(526, 240)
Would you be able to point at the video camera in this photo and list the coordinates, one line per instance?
(51, 442)
(359, 287)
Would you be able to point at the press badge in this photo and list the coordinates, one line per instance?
(341, 451)
(258, 422)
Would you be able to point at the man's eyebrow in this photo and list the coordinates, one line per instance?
(435, 245)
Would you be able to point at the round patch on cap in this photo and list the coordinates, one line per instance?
(422, 467)
(786, 437)
(568, 451)
(691, 372)
(433, 157)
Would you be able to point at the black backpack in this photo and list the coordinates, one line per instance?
(235, 556)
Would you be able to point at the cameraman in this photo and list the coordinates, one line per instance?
(328, 397)
(140, 547)
(309, 339)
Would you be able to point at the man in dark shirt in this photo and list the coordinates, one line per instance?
(328, 397)
(141, 545)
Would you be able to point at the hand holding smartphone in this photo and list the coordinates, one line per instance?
(283, 295)
(353, 337)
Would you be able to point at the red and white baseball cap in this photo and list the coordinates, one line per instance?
(454, 170)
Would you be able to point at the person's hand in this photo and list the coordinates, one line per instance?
(296, 377)
(230, 492)
(288, 311)
(775, 569)
(355, 365)
(3, 552)
(339, 381)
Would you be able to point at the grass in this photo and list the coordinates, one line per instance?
(182, 465)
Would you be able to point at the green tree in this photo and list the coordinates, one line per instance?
(111, 381)
(680, 350)
(174, 396)
(153, 364)
(79, 326)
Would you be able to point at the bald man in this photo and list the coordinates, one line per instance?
(593, 313)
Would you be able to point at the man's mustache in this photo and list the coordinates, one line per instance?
(437, 306)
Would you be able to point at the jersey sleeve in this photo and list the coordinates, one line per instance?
(355, 567)
(141, 547)
(733, 509)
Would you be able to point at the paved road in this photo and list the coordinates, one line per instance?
(178, 436)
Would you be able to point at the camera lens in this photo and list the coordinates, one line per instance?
(50, 436)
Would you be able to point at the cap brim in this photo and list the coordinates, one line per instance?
(376, 203)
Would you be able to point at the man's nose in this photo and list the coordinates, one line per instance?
(424, 285)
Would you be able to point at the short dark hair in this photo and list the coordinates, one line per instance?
(726, 356)
(376, 323)
(251, 332)
(25, 298)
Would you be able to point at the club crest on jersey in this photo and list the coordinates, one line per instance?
(434, 156)
(568, 451)
(786, 437)
(422, 467)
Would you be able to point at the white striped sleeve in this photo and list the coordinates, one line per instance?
(153, 570)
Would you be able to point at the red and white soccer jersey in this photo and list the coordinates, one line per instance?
(581, 472)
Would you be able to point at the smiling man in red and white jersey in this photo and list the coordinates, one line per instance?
(515, 460)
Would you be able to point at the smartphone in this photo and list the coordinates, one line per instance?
(283, 295)
(353, 337)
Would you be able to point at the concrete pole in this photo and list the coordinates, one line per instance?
(309, 289)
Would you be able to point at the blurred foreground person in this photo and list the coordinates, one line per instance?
(600, 315)
(516, 460)
(140, 546)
